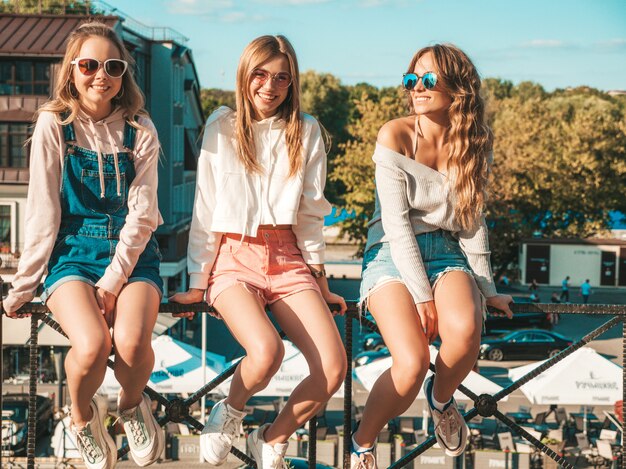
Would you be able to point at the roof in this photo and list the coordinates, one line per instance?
(40, 35)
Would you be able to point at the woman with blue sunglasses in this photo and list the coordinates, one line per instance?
(426, 268)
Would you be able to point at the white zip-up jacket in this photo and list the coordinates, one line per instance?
(230, 200)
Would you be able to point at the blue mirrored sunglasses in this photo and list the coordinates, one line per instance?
(410, 80)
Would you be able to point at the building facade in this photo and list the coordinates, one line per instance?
(31, 48)
(549, 261)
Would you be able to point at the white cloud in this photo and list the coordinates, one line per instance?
(611, 44)
(546, 44)
(198, 7)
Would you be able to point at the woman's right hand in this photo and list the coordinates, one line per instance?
(193, 295)
(428, 317)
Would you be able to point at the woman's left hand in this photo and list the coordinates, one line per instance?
(501, 303)
(106, 302)
(333, 298)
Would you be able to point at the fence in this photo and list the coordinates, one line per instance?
(177, 410)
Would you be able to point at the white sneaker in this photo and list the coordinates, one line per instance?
(94, 442)
(266, 456)
(145, 438)
(450, 427)
(364, 460)
(216, 440)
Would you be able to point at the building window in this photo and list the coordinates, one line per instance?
(13, 151)
(5, 228)
(25, 77)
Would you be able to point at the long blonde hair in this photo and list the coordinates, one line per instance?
(469, 137)
(65, 99)
(257, 52)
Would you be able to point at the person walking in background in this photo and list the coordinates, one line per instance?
(585, 291)
(426, 267)
(90, 218)
(256, 241)
(533, 287)
(565, 290)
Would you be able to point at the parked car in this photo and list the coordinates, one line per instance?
(528, 343)
(15, 421)
(373, 341)
(519, 321)
(369, 356)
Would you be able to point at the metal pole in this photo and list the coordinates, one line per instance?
(203, 400)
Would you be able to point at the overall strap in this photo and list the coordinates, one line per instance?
(69, 134)
(130, 133)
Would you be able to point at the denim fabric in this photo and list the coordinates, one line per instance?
(90, 224)
(440, 252)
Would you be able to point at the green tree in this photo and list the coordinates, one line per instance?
(355, 167)
(324, 97)
(560, 168)
(49, 7)
(212, 98)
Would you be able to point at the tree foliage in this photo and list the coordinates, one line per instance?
(49, 7)
(212, 98)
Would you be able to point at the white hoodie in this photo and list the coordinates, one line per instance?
(231, 200)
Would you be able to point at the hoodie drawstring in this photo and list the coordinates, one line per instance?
(115, 158)
(100, 162)
(99, 152)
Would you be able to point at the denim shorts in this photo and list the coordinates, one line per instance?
(85, 258)
(441, 253)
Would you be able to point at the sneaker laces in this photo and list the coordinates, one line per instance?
(136, 431)
(366, 460)
(230, 427)
(278, 460)
(449, 422)
(87, 443)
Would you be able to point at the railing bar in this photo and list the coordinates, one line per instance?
(538, 444)
(557, 358)
(347, 394)
(32, 392)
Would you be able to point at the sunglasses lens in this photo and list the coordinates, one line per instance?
(409, 81)
(114, 68)
(88, 66)
(282, 80)
(429, 80)
(260, 76)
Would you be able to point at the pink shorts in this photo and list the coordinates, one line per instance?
(269, 265)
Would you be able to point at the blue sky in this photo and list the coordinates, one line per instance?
(557, 43)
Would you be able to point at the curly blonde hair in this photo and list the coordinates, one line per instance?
(469, 137)
(257, 52)
(65, 98)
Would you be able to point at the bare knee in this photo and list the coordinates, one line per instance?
(132, 350)
(92, 352)
(409, 370)
(265, 358)
(464, 334)
(331, 372)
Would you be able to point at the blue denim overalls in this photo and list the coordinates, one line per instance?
(91, 224)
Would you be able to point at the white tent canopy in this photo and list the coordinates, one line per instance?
(368, 374)
(177, 368)
(292, 371)
(584, 377)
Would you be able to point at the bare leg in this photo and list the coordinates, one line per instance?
(247, 320)
(136, 312)
(393, 308)
(75, 308)
(306, 319)
(460, 321)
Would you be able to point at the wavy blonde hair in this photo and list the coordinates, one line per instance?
(469, 137)
(261, 50)
(65, 95)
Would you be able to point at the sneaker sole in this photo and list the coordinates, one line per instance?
(208, 454)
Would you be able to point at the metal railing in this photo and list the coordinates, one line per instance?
(485, 405)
